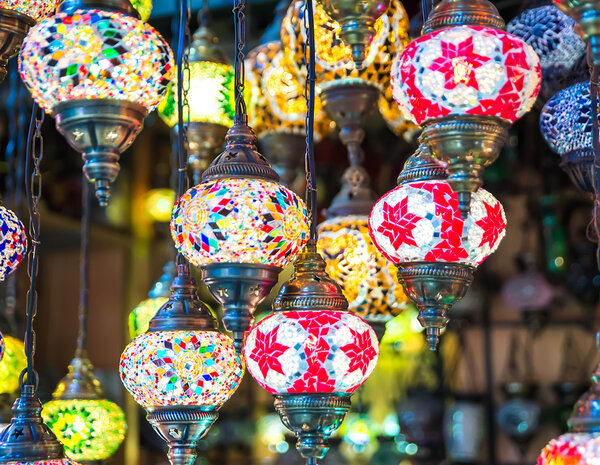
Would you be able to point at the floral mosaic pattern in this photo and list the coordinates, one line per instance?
(36, 9)
(93, 54)
(13, 242)
(334, 64)
(466, 70)
(571, 449)
(311, 352)
(240, 221)
(89, 430)
(164, 368)
(566, 120)
(367, 279)
(420, 221)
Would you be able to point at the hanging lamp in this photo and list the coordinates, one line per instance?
(465, 81)
(239, 225)
(82, 66)
(418, 226)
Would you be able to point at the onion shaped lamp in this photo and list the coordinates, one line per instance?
(182, 370)
(311, 354)
(16, 18)
(13, 242)
(418, 226)
(465, 81)
(210, 97)
(581, 444)
(566, 124)
(82, 66)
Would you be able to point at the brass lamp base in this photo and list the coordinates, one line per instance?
(100, 130)
(579, 165)
(239, 288)
(182, 428)
(312, 418)
(467, 144)
(205, 140)
(13, 29)
(434, 287)
(286, 152)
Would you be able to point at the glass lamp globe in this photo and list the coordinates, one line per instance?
(571, 449)
(367, 279)
(143, 7)
(334, 63)
(13, 242)
(12, 364)
(566, 124)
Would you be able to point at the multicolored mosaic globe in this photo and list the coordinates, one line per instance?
(163, 368)
(89, 430)
(140, 316)
(13, 242)
(420, 221)
(94, 54)
(466, 70)
(367, 279)
(36, 9)
(311, 352)
(571, 449)
(143, 7)
(12, 364)
(334, 64)
(240, 221)
(277, 102)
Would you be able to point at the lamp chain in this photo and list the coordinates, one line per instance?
(239, 27)
(84, 269)
(33, 190)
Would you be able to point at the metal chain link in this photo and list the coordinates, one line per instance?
(239, 22)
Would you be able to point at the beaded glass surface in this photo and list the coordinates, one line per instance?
(95, 54)
(311, 352)
(36, 9)
(13, 242)
(466, 70)
(11, 365)
(420, 221)
(367, 279)
(550, 33)
(277, 102)
(211, 95)
(571, 449)
(140, 316)
(163, 368)
(240, 221)
(334, 64)
(566, 120)
(143, 7)
(90, 430)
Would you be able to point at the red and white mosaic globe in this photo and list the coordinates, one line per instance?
(308, 352)
(420, 221)
(466, 70)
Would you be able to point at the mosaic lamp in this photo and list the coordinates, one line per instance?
(311, 354)
(581, 444)
(82, 66)
(12, 363)
(13, 242)
(465, 81)
(211, 100)
(181, 370)
(566, 124)
(16, 18)
(418, 226)
(90, 427)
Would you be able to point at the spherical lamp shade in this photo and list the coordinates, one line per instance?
(466, 70)
(334, 64)
(566, 124)
(140, 316)
(89, 430)
(181, 368)
(94, 54)
(421, 222)
(143, 7)
(35, 9)
(303, 352)
(239, 220)
(367, 279)
(13, 242)
(571, 449)
(12, 364)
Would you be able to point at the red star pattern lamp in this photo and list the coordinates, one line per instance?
(418, 226)
(465, 81)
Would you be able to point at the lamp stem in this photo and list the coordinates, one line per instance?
(84, 268)
(311, 183)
